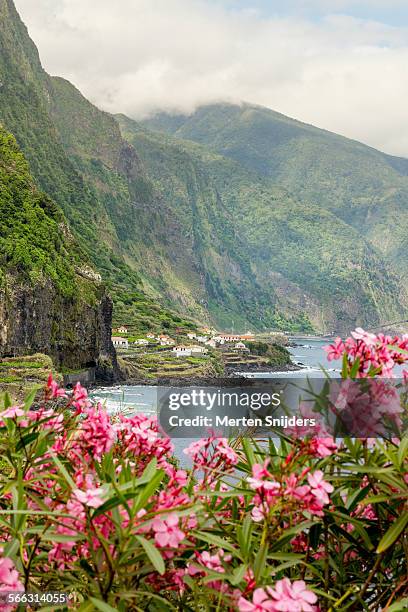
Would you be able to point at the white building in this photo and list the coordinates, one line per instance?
(150, 336)
(120, 342)
(230, 337)
(248, 337)
(202, 339)
(165, 340)
(240, 346)
(191, 335)
(182, 351)
(211, 343)
(218, 339)
(122, 330)
(142, 342)
(198, 350)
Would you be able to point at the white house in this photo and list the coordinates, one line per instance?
(230, 337)
(122, 330)
(218, 339)
(165, 340)
(240, 346)
(182, 351)
(191, 335)
(202, 339)
(211, 343)
(120, 342)
(142, 342)
(198, 351)
(150, 336)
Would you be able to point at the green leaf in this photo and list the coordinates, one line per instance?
(26, 440)
(102, 605)
(403, 450)
(29, 400)
(399, 606)
(63, 471)
(238, 574)
(393, 533)
(210, 538)
(260, 562)
(355, 367)
(154, 555)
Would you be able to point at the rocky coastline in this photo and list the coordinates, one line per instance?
(231, 378)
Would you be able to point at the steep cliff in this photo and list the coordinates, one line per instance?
(51, 301)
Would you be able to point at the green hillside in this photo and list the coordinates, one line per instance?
(78, 157)
(296, 251)
(51, 301)
(361, 186)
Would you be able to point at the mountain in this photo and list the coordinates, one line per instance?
(78, 157)
(51, 301)
(156, 257)
(233, 215)
(311, 261)
(363, 187)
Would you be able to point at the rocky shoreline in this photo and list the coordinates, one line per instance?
(229, 380)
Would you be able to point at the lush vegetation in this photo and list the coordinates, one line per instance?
(267, 251)
(78, 158)
(276, 353)
(340, 192)
(21, 375)
(99, 508)
(34, 239)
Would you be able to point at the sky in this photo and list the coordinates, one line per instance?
(341, 65)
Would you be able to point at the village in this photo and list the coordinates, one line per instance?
(197, 353)
(194, 344)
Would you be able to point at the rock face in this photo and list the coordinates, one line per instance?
(37, 319)
(51, 301)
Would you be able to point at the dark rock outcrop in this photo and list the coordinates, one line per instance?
(76, 334)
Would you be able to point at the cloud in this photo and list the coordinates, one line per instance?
(341, 73)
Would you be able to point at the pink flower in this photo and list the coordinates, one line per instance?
(261, 478)
(12, 413)
(167, 531)
(290, 597)
(9, 580)
(335, 351)
(323, 447)
(80, 397)
(259, 513)
(319, 487)
(52, 390)
(260, 602)
(366, 337)
(91, 497)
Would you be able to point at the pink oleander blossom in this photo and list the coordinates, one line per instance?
(52, 389)
(319, 487)
(375, 353)
(335, 351)
(12, 413)
(9, 580)
(323, 447)
(167, 531)
(91, 498)
(261, 602)
(292, 597)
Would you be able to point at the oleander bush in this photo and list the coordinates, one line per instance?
(98, 507)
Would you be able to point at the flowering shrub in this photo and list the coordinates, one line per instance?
(99, 508)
